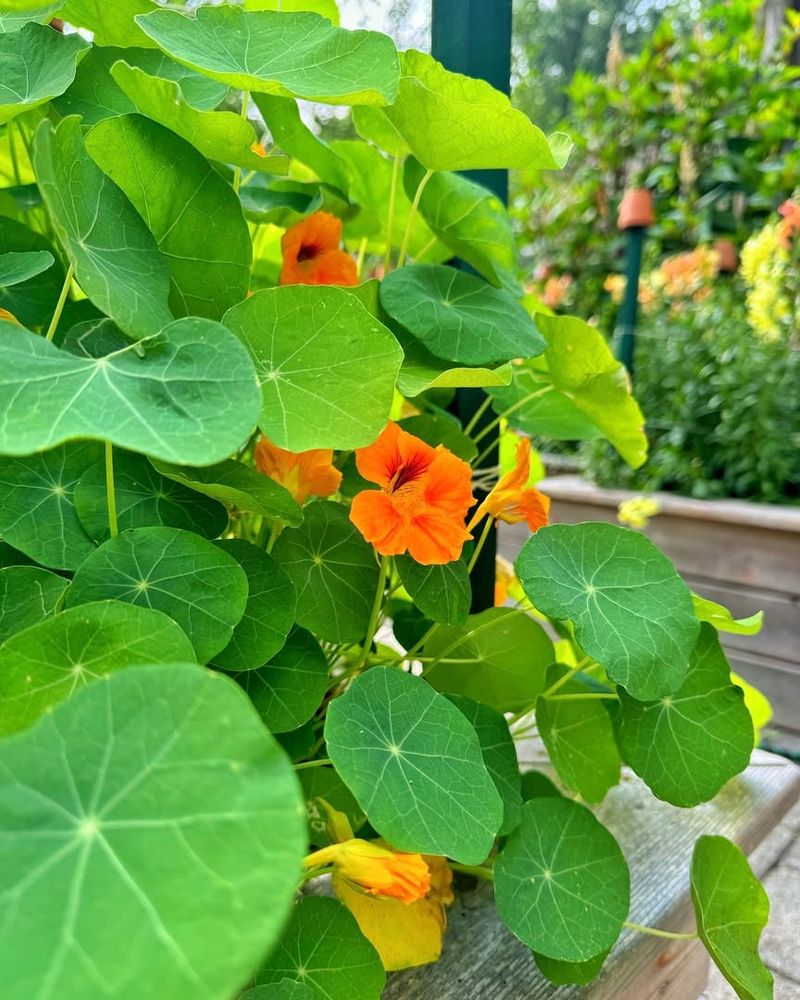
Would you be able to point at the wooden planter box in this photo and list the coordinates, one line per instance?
(743, 555)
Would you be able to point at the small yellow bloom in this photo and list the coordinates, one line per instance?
(375, 869)
(637, 511)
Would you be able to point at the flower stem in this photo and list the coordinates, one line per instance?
(411, 216)
(51, 330)
(319, 762)
(387, 257)
(372, 627)
(582, 697)
(655, 932)
(111, 495)
(476, 416)
(509, 410)
(481, 542)
(461, 640)
(479, 871)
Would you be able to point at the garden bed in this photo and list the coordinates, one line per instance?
(743, 555)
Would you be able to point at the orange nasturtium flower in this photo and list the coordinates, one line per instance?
(512, 500)
(423, 500)
(375, 869)
(311, 253)
(9, 317)
(304, 474)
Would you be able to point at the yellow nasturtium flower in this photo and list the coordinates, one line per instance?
(637, 511)
(375, 869)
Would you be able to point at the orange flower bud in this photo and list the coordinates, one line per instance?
(303, 474)
(512, 500)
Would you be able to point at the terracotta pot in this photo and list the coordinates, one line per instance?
(636, 209)
(728, 255)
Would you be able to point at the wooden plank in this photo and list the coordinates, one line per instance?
(482, 959)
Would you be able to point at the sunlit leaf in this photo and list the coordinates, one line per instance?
(723, 621)
(50, 661)
(561, 883)
(14, 20)
(36, 64)
(288, 55)
(198, 585)
(415, 765)
(732, 910)
(688, 744)
(117, 262)
(158, 797)
(630, 609)
(187, 394)
(325, 8)
(110, 23)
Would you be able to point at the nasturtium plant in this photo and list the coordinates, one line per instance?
(247, 662)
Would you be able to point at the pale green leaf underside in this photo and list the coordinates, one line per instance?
(459, 317)
(548, 413)
(415, 766)
(318, 350)
(582, 367)
(630, 609)
(732, 909)
(455, 122)
(165, 764)
(197, 584)
(422, 370)
(37, 504)
(289, 689)
(218, 135)
(17, 267)
(288, 55)
(117, 262)
(36, 64)
(498, 657)
(28, 595)
(52, 660)
(144, 498)
(333, 570)
(723, 621)
(192, 397)
(237, 485)
(268, 615)
(688, 744)
(579, 739)
(193, 212)
(561, 883)
(323, 939)
(111, 23)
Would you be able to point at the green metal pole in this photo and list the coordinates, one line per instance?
(474, 37)
(626, 327)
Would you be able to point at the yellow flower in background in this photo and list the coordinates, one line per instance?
(615, 286)
(766, 264)
(637, 511)
(375, 869)
(403, 934)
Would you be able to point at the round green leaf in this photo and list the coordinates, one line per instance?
(567, 973)
(582, 368)
(110, 23)
(688, 744)
(630, 609)
(237, 485)
(187, 394)
(284, 990)
(289, 689)
(499, 756)
(116, 260)
(317, 349)
(268, 615)
(193, 213)
(289, 55)
(732, 909)
(498, 657)
(152, 841)
(218, 135)
(579, 738)
(18, 267)
(455, 122)
(333, 570)
(322, 947)
(421, 370)
(28, 594)
(50, 661)
(415, 766)
(36, 63)
(144, 498)
(198, 585)
(37, 504)
(442, 593)
(459, 317)
(32, 301)
(561, 883)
